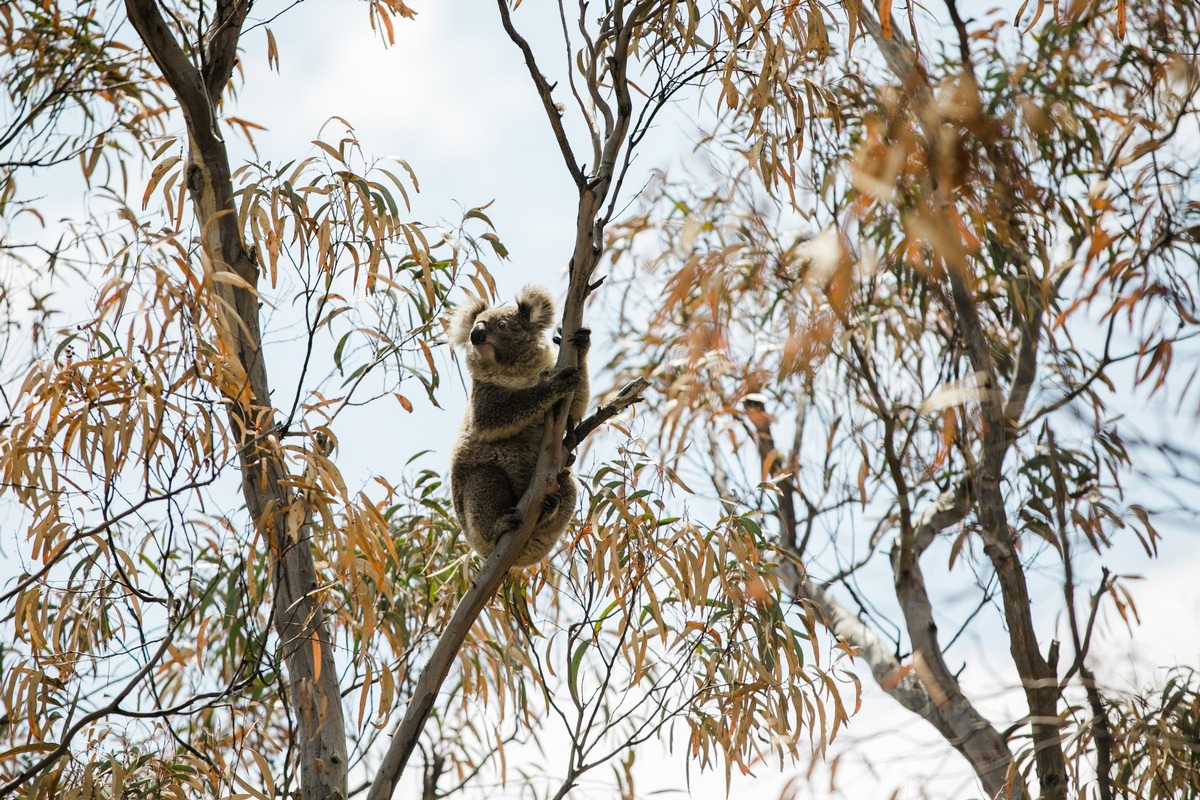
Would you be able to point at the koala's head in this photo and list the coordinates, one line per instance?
(508, 341)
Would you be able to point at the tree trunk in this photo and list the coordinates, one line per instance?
(231, 275)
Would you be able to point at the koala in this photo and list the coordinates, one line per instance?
(513, 385)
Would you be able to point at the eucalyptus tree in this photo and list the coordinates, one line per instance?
(910, 349)
(204, 607)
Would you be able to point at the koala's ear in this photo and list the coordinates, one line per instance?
(535, 304)
(464, 319)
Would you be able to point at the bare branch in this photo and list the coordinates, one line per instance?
(1023, 375)
(775, 463)
(588, 115)
(964, 38)
(630, 394)
(926, 687)
(179, 72)
(951, 508)
(592, 78)
(544, 90)
(486, 582)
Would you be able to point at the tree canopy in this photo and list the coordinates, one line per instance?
(882, 349)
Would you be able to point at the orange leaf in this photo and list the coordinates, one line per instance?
(272, 52)
(1036, 15)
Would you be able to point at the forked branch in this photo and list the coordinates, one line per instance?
(1037, 674)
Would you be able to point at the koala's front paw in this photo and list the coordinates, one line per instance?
(582, 340)
(565, 379)
(507, 522)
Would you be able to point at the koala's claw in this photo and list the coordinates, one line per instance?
(582, 339)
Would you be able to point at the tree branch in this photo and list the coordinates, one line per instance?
(1036, 673)
(773, 463)
(589, 232)
(221, 45)
(630, 394)
(486, 582)
(544, 90)
(1101, 732)
(951, 712)
(588, 116)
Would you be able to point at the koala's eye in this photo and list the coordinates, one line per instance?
(502, 325)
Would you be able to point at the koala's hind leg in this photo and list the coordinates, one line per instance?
(557, 511)
(553, 501)
(488, 507)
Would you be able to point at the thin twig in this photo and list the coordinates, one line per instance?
(64, 548)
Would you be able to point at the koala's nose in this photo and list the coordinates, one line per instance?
(479, 334)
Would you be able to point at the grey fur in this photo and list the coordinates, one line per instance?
(513, 385)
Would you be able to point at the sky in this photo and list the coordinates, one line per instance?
(453, 99)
